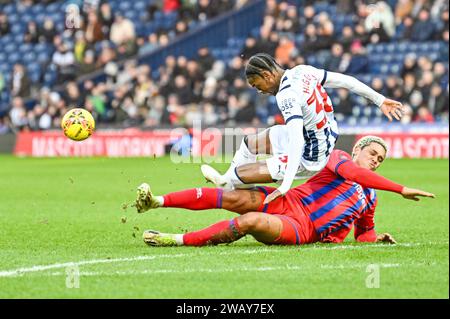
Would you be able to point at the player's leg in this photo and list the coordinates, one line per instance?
(251, 146)
(263, 227)
(238, 201)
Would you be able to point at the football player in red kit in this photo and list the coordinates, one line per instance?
(324, 209)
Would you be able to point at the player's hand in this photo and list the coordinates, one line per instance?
(386, 238)
(411, 193)
(392, 108)
(272, 196)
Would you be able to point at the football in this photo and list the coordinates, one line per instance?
(78, 124)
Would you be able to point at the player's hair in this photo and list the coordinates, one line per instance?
(366, 140)
(260, 62)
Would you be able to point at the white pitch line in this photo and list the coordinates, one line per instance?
(226, 270)
(178, 271)
(38, 268)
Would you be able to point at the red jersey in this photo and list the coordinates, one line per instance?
(334, 204)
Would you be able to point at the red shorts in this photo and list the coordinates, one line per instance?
(297, 226)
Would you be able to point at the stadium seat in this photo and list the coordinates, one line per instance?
(14, 57)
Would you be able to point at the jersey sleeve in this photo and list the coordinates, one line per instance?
(365, 224)
(290, 103)
(337, 158)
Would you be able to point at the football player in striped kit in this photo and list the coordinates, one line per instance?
(301, 147)
(324, 209)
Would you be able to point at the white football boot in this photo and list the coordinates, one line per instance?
(215, 177)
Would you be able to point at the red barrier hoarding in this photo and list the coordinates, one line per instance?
(415, 145)
(135, 143)
(126, 143)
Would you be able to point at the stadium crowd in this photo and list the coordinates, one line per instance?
(214, 90)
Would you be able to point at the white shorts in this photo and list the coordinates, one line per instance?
(278, 162)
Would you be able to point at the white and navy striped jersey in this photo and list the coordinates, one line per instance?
(301, 95)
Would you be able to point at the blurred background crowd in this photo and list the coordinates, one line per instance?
(399, 48)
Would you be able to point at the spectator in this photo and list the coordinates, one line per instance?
(438, 100)
(333, 61)
(122, 30)
(359, 62)
(184, 92)
(205, 59)
(64, 59)
(409, 65)
(391, 85)
(80, 46)
(32, 33)
(311, 38)
(263, 44)
(48, 32)
(18, 113)
(423, 115)
(205, 10)
(249, 48)
(345, 6)
(325, 36)
(94, 29)
(308, 17)
(170, 6)
(285, 50)
(236, 69)
(361, 35)
(20, 83)
(107, 54)
(175, 111)
(106, 18)
(347, 38)
(345, 103)
(88, 64)
(4, 24)
(72, 95)
(440, 73)
(151, 44)
(423, 28)
(4, 125)
(403, 8)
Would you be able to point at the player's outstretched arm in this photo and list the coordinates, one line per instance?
(366, 178)
(414, 194)
(390, 108)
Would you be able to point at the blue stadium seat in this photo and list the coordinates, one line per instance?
(9, 47)
(37, 8)
(13, 18)
(140, 5)
(52, 7)
(25, 18)
(43, 58)
(25, 48)
(6, 39)
(10, 9)
(124, 6)
(28, 57)
(14, 58)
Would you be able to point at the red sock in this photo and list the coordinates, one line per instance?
(195, 198)
(225, 231)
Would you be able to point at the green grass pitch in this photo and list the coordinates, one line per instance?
(58, 214)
